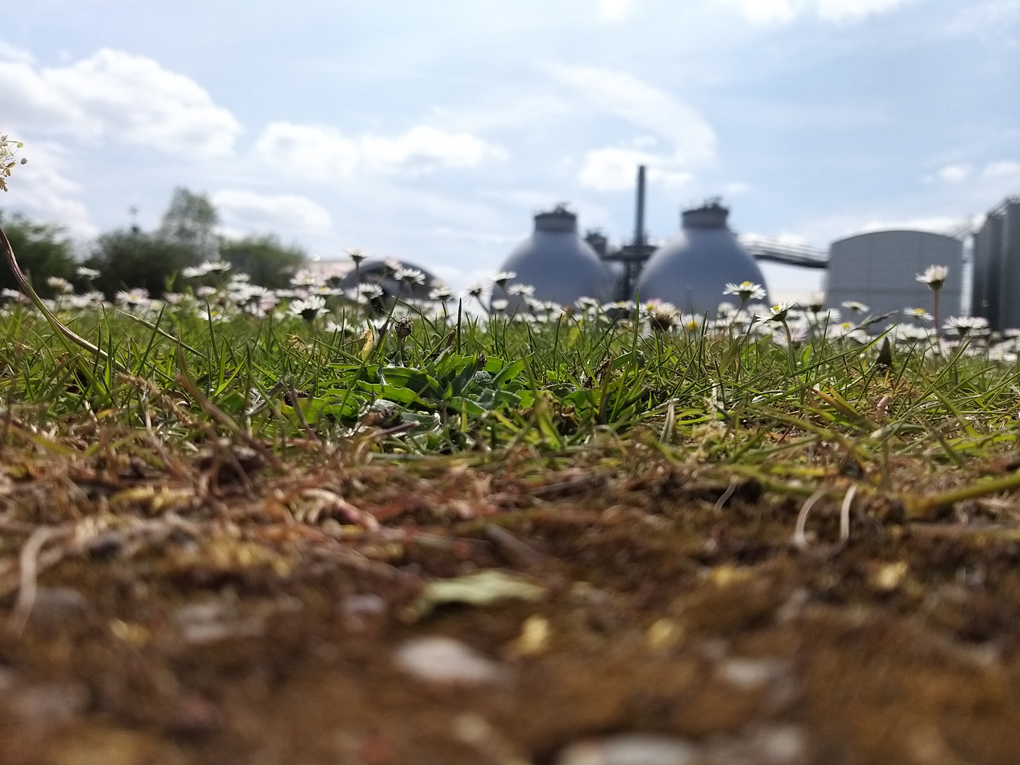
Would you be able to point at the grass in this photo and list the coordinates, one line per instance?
(663, 481)
(792, 403)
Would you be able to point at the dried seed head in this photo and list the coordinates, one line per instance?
(404, 327)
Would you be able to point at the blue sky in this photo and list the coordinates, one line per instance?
(433, 131)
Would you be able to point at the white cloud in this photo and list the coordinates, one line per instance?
(692, 140)
(42, 191)
(766, 11)
(505, 112)
(614, 169)
(784, 11)
(1004, 169)
(10, 52)
(473, 236)
(261, 212)
(423, 149)
(980, 16)
(323, 153)
(955, 173)
(737, 188)
(944, 224)
(120, 96)
(835, 227)
(852, 10)
(317, 152)
(625, 96)
(531, 199)
(615, 10)
(994, 177)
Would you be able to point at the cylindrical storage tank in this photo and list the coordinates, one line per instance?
(559, 264)
(880, 269)
(692, 269)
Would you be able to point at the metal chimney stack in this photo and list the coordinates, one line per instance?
(639, 221)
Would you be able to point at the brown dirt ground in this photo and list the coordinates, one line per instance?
(901, 647)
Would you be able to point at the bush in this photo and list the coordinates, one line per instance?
(264, 259)
(129, 258)
(41, 250)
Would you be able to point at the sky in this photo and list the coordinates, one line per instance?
(432, 132)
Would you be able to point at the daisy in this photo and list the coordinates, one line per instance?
(87, 273)
(307, 308)
(934, 277)
(409, 276)
(441, 293)
(965, 325)
(746, 291)
(780, 311)
(855, 307)
(503, 277)
(521, 290)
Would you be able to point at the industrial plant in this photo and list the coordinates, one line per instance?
(691, 269)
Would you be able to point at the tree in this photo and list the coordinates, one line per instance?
(42, 252)
(263, 258)
(128, 258)
(189, 221)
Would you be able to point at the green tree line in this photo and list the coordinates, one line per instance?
(154, 260)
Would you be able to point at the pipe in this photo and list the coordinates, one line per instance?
(639, 223)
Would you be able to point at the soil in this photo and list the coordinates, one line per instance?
(219, 612)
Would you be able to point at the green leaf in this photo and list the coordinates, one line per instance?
(508, 372)
(404, 377)
(404, 396)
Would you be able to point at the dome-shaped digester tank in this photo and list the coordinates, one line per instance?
(559, 264)
(692, 269)
(381, 272)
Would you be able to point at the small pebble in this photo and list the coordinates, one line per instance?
(630, 749)
(750, 674)
(445, 660)
(366, 613)
(212, 621)
(366, 604)
(58, 607)
(43, 706)
(771, 745)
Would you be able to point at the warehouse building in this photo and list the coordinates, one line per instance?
(880, 269)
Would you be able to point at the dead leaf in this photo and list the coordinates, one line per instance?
(484, 588)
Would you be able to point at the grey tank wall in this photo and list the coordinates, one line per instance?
(880, 270)
(1009, 283)
(984, 299)
(995, 287)
(692, 270)
(561, 267)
